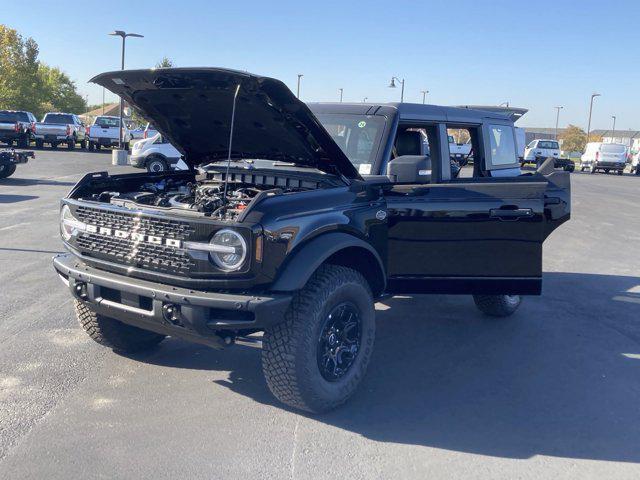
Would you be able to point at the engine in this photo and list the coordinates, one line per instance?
(207, 197)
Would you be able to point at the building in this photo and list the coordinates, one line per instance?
(630, 138)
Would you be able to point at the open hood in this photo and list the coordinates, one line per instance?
(192, 108)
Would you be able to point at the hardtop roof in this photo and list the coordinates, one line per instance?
(409, 111)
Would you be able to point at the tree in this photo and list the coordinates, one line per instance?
(19, 85)
(165, 63)
(28, 84)
(573, 139)
(60, 91)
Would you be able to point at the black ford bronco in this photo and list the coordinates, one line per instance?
(293, 219)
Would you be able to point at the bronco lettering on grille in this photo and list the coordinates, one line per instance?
(135, 236)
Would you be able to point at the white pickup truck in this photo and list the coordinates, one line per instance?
(56, 128)
(105, 132)
(458, 151)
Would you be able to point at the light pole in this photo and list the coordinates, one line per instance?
(300, 75)
(424, 95)
(393, 85)
(613, 135)
(593, 95)
(341, 90)
(558, 108)
(123, 35)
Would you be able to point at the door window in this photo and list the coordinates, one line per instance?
(503, 148)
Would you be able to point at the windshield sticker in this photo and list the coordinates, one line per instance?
(364, 168)
(362, 124)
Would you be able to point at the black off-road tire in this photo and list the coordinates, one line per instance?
(114, 334)
(7, 171)
(497, 305)
(290, 348)
(637, 172)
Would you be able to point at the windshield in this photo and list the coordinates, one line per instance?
(358, 136)
(12, 117)
(106, 122)
(612, 148)
(58, 118)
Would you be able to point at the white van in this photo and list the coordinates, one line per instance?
(635, 163)
(541, 149)
(604, 156)
(156, 155)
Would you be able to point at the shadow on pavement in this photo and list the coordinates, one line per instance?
(16, 198)
(35, 181)
(560, 378)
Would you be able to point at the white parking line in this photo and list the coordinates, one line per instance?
(15, 225)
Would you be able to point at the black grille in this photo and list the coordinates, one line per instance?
(149, 256)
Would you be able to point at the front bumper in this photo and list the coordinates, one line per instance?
(137, 160)
(197, 316)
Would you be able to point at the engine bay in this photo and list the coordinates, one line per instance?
(207, 197)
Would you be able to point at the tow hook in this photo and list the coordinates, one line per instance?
(171, 314)
(80, 291)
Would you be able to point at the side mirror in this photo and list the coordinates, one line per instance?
(410, 169)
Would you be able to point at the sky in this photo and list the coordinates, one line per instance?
(535, 54)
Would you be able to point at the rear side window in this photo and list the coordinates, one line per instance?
(549, 145)
(58, 118)
(503, 148)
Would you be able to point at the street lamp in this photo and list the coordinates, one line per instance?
(123, 35)
(593, 95)
(613, 135)
(364, 100)
(300, 75)
(424, 95)
(341, 90)
(558, 108)
(393, 85)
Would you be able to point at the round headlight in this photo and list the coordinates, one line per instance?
(67, 221)
(230, 249)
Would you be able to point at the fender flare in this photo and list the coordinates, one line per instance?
(303, 263)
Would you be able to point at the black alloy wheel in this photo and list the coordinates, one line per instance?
(339, 341)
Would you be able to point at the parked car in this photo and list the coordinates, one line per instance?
(137, 133)
(149, 131)
(56, 128)
(539, 150)
(287, 237)
(458, 151)
(10, 159)
(17, 126)
(105, 132)
(604, 157)
(156, 155)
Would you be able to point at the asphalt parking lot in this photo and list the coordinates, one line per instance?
(550, 393)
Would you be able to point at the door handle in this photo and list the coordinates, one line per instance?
(510, 213)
